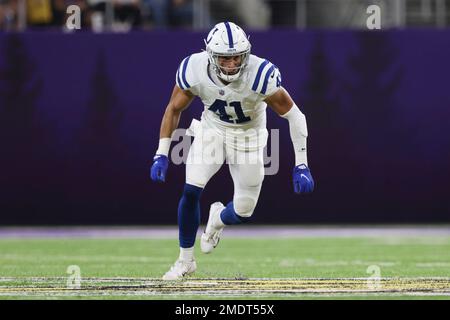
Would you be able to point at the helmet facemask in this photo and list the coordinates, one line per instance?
(234, 73)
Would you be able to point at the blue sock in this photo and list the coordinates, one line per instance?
(189, 215)
(229, 216)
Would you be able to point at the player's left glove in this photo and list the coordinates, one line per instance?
(159, 168)
(303, 181)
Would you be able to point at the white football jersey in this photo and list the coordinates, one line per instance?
(236, 111)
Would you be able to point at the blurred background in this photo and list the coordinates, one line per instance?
(80, 110)
(124, 15)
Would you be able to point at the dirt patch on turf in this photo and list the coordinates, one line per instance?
(221, 287)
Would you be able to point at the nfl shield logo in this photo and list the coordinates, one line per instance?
(221, 92)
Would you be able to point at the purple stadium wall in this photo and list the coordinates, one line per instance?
(80, 116)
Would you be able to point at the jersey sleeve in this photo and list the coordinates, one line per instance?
(186, 78)
(267, 79)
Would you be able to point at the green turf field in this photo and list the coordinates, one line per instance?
(254, 268)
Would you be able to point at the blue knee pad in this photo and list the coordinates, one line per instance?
(229, 215)
(189, 215)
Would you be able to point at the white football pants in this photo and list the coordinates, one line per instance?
(207, 154)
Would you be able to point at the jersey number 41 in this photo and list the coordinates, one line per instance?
(219, 107)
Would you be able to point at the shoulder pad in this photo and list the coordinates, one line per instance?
(266, 79)
(187, 76)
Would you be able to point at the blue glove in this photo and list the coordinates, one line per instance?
(159, 168)
(303, 181)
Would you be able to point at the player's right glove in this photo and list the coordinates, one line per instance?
(303, 180)
(159, 168)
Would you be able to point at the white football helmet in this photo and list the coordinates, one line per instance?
(227, 39)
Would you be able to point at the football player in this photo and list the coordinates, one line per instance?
(235, 88)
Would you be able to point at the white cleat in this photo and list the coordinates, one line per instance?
(180, 269)
(210, 238)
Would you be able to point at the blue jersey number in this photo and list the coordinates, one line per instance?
(219, 106)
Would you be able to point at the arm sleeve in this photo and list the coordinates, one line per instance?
(299, 133)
